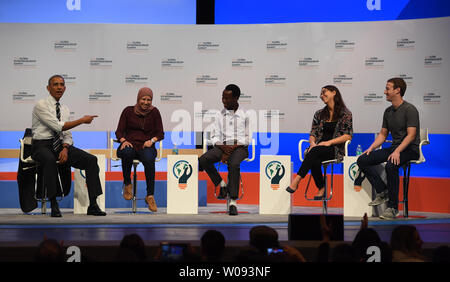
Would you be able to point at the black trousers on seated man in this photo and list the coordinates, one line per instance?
(208, 159)
(42, 152)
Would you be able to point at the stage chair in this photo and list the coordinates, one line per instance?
(325, 165)
(35, 165)
(227, 198)
(424, 140)
(136, 162)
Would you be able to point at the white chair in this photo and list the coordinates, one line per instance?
(325, 164)
(35, 165)
(228, 199)
(135, 164)
(424, 140)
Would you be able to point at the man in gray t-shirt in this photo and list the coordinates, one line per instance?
(401, 119)
(398, 120)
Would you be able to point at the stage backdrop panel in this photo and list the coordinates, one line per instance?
(280, 69)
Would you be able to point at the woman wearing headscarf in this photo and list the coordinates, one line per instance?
(140, 127)
(332, 126)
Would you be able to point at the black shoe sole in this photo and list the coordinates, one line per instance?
(97, 214)
(290, 190)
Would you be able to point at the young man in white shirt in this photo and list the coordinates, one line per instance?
(52, 142)
(230, 137)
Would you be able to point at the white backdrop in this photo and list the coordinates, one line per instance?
(279, 67)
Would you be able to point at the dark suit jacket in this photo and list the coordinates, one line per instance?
(26, 179)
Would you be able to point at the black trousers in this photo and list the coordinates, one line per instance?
(43, 153)
(313, 161)
(208, 159)
(366, 164)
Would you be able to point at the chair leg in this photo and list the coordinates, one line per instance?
(407, 171)
(242, 189)
(44, 197)
(307, 187)
(325, 200)
(134, 200)
(43, 206)
(42, 200)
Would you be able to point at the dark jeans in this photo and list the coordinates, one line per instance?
(313, 161)
(42, 152)
(147, 157)
(208, 159)
(366, 164)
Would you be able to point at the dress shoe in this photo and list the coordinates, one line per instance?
(233, 210)
(290, 190)
(95, 210)
(55, 212)
(222, 193)
(128, 192)
(150, 200)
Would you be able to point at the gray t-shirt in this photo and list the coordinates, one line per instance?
(396, 121)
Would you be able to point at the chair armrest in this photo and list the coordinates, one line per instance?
(28, 160)
(253, 152)
(421, 156)
(335, 161)
(300, 152)
(204, 145)
(346, 146)
(157, 159)
(111, 149)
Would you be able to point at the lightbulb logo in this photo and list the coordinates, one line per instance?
(182, 170)
(352, 172)
(275, 172)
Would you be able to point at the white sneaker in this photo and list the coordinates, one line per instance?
(381, 198)
(389, 213)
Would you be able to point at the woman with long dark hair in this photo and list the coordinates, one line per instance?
(332, 126)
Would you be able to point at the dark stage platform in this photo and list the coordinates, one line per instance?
(21, 233)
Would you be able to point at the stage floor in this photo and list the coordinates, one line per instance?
(18, 229)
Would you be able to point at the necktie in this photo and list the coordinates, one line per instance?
(57, 142)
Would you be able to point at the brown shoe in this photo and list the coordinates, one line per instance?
(128, 192)
(150, 200)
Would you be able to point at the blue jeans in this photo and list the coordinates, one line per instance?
(147, 157)
(366, 164)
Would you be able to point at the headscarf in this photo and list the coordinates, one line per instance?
(144, 91)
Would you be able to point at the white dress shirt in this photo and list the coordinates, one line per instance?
(45, 123)
(229, 126)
